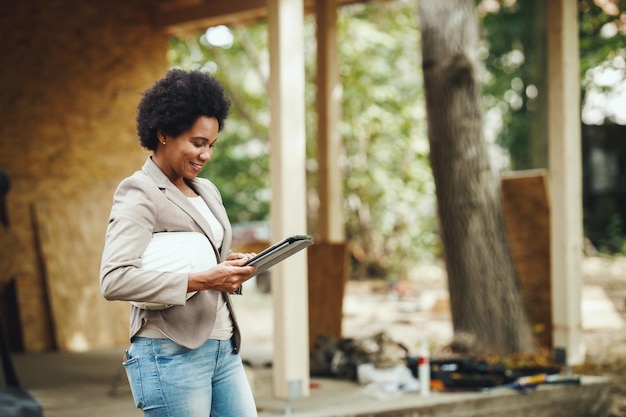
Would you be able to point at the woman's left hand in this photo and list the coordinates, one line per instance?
(236, 255)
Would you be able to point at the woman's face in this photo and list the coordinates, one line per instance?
(184, 156)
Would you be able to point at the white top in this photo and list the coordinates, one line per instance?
(216, 226)
(223, 329)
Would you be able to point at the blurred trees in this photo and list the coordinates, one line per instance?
(390, 210)
(514, 95)
(389, 192)
(513, 53)
(238, 57)
(482, 280)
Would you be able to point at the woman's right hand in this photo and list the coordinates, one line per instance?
(226, 276)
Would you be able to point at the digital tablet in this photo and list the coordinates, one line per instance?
(279, 251)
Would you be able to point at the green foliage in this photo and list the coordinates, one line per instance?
(602, 57)
(514, 33)
(391, 219)
(510, 39)
(514, 56)
(389, 206)
(602, 31)
(389, 203)
(240, 167)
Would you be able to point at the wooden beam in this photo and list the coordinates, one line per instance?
(565, 165)
(177, 17)
(288, 206)
(330, 220)
(328, 264)
(186, 18)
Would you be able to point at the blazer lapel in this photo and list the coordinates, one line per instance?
(175, 196)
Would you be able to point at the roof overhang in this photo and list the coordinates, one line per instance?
(187, 16)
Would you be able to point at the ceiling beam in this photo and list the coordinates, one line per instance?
(178, 17)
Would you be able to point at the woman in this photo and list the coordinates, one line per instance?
(183, 360)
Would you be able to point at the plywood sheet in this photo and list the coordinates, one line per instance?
(527, 215)
(327, 263)
(71, 236)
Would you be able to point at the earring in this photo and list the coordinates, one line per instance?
(163, 142)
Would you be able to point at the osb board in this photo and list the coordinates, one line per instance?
(527, 215)
(327, 264)
(71, 235)
(33, 309)
(71, 113)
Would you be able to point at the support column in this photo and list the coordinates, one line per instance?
(564, 138)
(328, 263)
(331, 224)
(288, 205)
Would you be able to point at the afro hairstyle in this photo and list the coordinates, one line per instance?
(174, 103)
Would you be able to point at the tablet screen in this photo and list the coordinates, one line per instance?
(279, 251)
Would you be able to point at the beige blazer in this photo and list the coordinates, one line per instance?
(143, 204)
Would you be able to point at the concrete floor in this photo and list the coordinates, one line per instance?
(92, 384)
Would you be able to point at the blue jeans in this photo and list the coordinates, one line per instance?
(169, 380)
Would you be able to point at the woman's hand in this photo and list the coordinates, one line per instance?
(236, 255)
(224, 277)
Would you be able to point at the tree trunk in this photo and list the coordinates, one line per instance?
(482, 279)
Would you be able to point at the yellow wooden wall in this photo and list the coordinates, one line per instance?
(71, 75)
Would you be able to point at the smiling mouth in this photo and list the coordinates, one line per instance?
(196, 166)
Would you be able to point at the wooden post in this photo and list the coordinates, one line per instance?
(330, 221)
(327, 258)
(288, 206)
(565, 177)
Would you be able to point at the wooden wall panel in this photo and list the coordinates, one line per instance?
(71, 237)
(328, 271)
(527, 216)
(70, 87)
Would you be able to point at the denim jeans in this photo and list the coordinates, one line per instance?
(169, 380)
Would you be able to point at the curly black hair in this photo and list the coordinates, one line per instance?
(174, 103)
